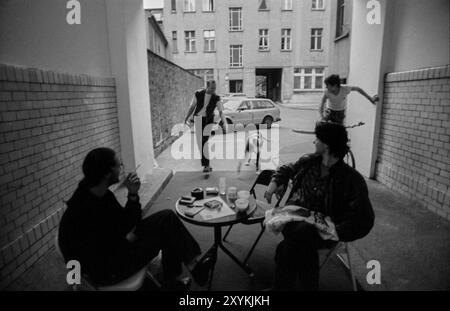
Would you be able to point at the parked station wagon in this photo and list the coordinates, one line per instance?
(250, 111)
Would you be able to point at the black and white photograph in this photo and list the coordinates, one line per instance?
(223, 151)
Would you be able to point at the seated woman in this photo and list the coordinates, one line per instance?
(94, 229)
(323, 183)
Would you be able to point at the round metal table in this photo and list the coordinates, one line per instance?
(217, 224)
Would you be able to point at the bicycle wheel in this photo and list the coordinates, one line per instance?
(350, 159)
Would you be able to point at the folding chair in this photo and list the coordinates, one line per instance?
(133, 283)
(264, 179)
(258, 216)
(346, 262)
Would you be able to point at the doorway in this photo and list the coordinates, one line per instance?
(268, 83)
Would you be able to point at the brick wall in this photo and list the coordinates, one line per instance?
(171, 91)
(48, 122)
(414, 145)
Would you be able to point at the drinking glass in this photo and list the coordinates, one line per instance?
(222, 185)
(232, 195)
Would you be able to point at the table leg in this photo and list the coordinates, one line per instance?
(218, 241)
(214, 249)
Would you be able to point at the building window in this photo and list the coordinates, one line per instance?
(287, 5)
(263, 5)
(174, 5)
(205, 74)
(210, 40)
(264, 39)
(236, 55)
(235, 19)
(318, 5)
(308, 79)
(189, 5)
(174, 42)
(208, 5)
(189, 37)
(236, 86)
(286, 41)
(316, 39)
(340, 18)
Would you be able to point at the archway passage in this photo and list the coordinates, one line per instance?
(268, 83)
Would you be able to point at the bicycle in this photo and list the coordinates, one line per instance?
(349, 158)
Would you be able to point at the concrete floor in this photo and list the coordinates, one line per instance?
(410, 243)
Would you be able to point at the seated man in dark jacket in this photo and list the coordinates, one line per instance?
(94, 229)
(323, 183)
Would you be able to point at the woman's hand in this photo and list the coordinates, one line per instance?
(133, 183)
(274, 188)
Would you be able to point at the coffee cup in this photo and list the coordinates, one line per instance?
(243, 194)
(241, 205)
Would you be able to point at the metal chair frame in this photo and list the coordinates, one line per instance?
(263, 178)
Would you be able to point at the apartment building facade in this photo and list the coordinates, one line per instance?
(156, 40)
(268, 48)
(340, 32)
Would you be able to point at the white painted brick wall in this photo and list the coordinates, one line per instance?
(48, 122)
(414, 145)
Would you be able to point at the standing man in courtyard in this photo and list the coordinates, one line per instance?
(203, 104)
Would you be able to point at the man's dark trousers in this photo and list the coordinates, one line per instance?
(297, 256)
(205, 138)
(160, 231)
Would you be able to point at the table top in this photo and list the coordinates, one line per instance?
(213, 181)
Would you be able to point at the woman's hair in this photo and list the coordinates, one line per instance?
(334, 136)
(333, 80)
(97, 164)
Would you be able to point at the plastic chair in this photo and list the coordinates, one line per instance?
(133, 283)
(258, 216)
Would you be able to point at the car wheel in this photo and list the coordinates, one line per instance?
(268, 121)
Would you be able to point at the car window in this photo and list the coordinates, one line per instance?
(232, 104)
(255, 104)
(243, 106)
(262, 104)
(267, 104)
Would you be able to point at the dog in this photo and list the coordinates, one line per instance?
(253, 144)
